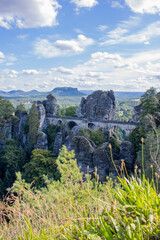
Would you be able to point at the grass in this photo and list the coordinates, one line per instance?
(128, 208)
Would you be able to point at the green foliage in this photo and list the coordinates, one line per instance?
(64, 160)
(20, 107)
(75, 209)
(135, 137)
(42, 163)
(115, 147)
(124, 110)
(68, 111)
(33, 123)
(151, 153)
(149, 102)
(12, 161)
(85, 133)
(97, 137)
(6, 109)
(51, 132)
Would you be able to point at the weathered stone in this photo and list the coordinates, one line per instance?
(127, 154)
(22, 116)
(99, 105)
(84, 150)
(136, 114)
(42, 114)
(57, 143)
(102, 161)
(42, 141)
(50, 105)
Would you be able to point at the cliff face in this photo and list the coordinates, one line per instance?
(99, 105)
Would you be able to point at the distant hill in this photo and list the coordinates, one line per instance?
(62, 91)
(128, 95)
(67, 91)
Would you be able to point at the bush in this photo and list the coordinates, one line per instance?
(97, 137)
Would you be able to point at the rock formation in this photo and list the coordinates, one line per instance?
(102, 161)
(84, 150)
(42, 141)
(99, 105)
(50, 105)
(127, 154)
(57, 143)
(136, 114)
(42, 114)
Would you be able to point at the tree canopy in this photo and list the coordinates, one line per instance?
(6, 109)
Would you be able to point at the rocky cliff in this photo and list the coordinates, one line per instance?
(99, 105)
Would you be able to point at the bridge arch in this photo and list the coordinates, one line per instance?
(91, 126)
(59, 123)
(71, 124)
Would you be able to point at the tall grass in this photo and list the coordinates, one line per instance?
(76, 209)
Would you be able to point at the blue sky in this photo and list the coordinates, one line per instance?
(88, 44)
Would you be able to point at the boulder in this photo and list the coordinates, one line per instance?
(50, 105)
(99, 105)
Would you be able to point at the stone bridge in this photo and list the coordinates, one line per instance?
(71, 122)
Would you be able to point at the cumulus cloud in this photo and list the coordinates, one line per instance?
(84, 3)
(144, 6)
(120, 35)
(45, 48)
(28, 13)
(103, 70)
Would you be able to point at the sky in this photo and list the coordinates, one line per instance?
(87, 44)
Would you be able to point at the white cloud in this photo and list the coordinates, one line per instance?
(47, 49)
(104, 71)
(28, 13)
(2, 55)
(102, 27)
(84, 3)
(65, 70)
(30, 72)
(144, 6)
(116, 4)
(119, 35)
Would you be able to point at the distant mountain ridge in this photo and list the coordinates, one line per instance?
(61, 91)
(66, 92)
